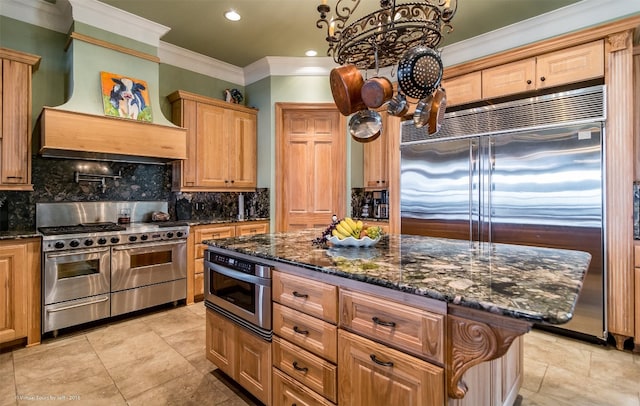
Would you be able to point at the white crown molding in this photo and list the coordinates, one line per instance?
(183, 58)
(109, 18)
(573, 17)
(55, 17)
(288, 66)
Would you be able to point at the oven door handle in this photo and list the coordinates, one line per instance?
(238, 275)
(78, 252)
(142, 245)
(73, 306)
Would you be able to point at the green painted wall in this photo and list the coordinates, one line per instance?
(50, 80)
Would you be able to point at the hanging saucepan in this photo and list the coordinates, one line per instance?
(423, 111)
(398, 106)
(346, 84)
(438, 107)
(365, 125)
(419, 71)
(376, 92)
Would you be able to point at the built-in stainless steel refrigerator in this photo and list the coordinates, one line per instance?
(524, 172)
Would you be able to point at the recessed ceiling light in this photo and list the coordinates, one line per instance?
(232, 15)
(311, 52)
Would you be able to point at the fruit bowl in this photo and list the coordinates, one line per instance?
(353, 242)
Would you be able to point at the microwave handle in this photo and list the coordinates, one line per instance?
(238, 275)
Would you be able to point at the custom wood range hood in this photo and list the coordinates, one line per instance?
(79, 129)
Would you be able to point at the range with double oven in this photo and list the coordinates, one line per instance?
(94, 268)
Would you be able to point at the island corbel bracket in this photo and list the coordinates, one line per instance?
(474, 337)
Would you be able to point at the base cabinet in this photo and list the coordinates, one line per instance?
(243, 356)
(20, 290)
(371, 374)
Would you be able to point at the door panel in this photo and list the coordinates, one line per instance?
(310, 167)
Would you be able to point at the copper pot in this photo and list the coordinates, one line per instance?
(346, 85)
(376, 92)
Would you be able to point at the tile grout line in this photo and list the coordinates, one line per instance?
(105, 368)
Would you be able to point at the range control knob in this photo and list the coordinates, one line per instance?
(115, 240)
(74, 243)
(59, 244)
(102, 241)
(144, 237)
(179, 234)
(169, 234)
(88, 243)
(132, 238)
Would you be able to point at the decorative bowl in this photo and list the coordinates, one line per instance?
(353, 242)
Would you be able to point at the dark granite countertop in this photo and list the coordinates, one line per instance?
(530, 283)
(18, 234)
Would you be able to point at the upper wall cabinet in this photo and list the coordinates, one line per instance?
(221, 144)
(376, 168)
(570, 65)
(15, 131)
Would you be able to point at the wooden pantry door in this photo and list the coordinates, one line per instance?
(310, 165)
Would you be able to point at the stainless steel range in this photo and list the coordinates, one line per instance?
(94, 268)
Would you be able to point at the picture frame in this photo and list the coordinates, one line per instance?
(125, 97)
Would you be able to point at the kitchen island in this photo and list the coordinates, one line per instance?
(481, 296)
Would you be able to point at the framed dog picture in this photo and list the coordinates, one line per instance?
(125, 97)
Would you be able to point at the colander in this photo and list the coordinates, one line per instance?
(419, 72)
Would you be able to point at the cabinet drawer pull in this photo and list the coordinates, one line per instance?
(383, 323)
(377, 361)
(297, 330)
(14, 177)
(303, 295)
(297, 368)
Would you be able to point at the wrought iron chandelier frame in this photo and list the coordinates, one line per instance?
(379, 39)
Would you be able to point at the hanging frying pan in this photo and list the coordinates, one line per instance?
(398, 106)
(438, 107)
(422, 113)
(365, 125)
(346, 85)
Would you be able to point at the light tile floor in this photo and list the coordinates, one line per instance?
(158, 359)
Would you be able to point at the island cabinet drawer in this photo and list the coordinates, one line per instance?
(287, 391)
(312, 371)
(312, 334)
(314, 298)
(416, 331)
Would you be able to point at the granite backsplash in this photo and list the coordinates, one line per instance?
(54, 181)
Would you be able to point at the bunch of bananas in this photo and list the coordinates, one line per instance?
(347, 227)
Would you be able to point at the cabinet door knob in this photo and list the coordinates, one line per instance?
(542, 79)
(528, 81)
(383, 363)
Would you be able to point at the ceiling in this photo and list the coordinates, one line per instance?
(288, 27)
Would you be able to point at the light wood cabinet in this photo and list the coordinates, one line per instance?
(571, 65)
(311, 297)
(463, 89)
(287, 391)
(406, 328)
(20, 290)
(636, 339)
(15, 129)
(305, 345)
(310, 333)
(372, 374)
(240, 354)
(196, 249)
(376, 166)
(221, 144)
